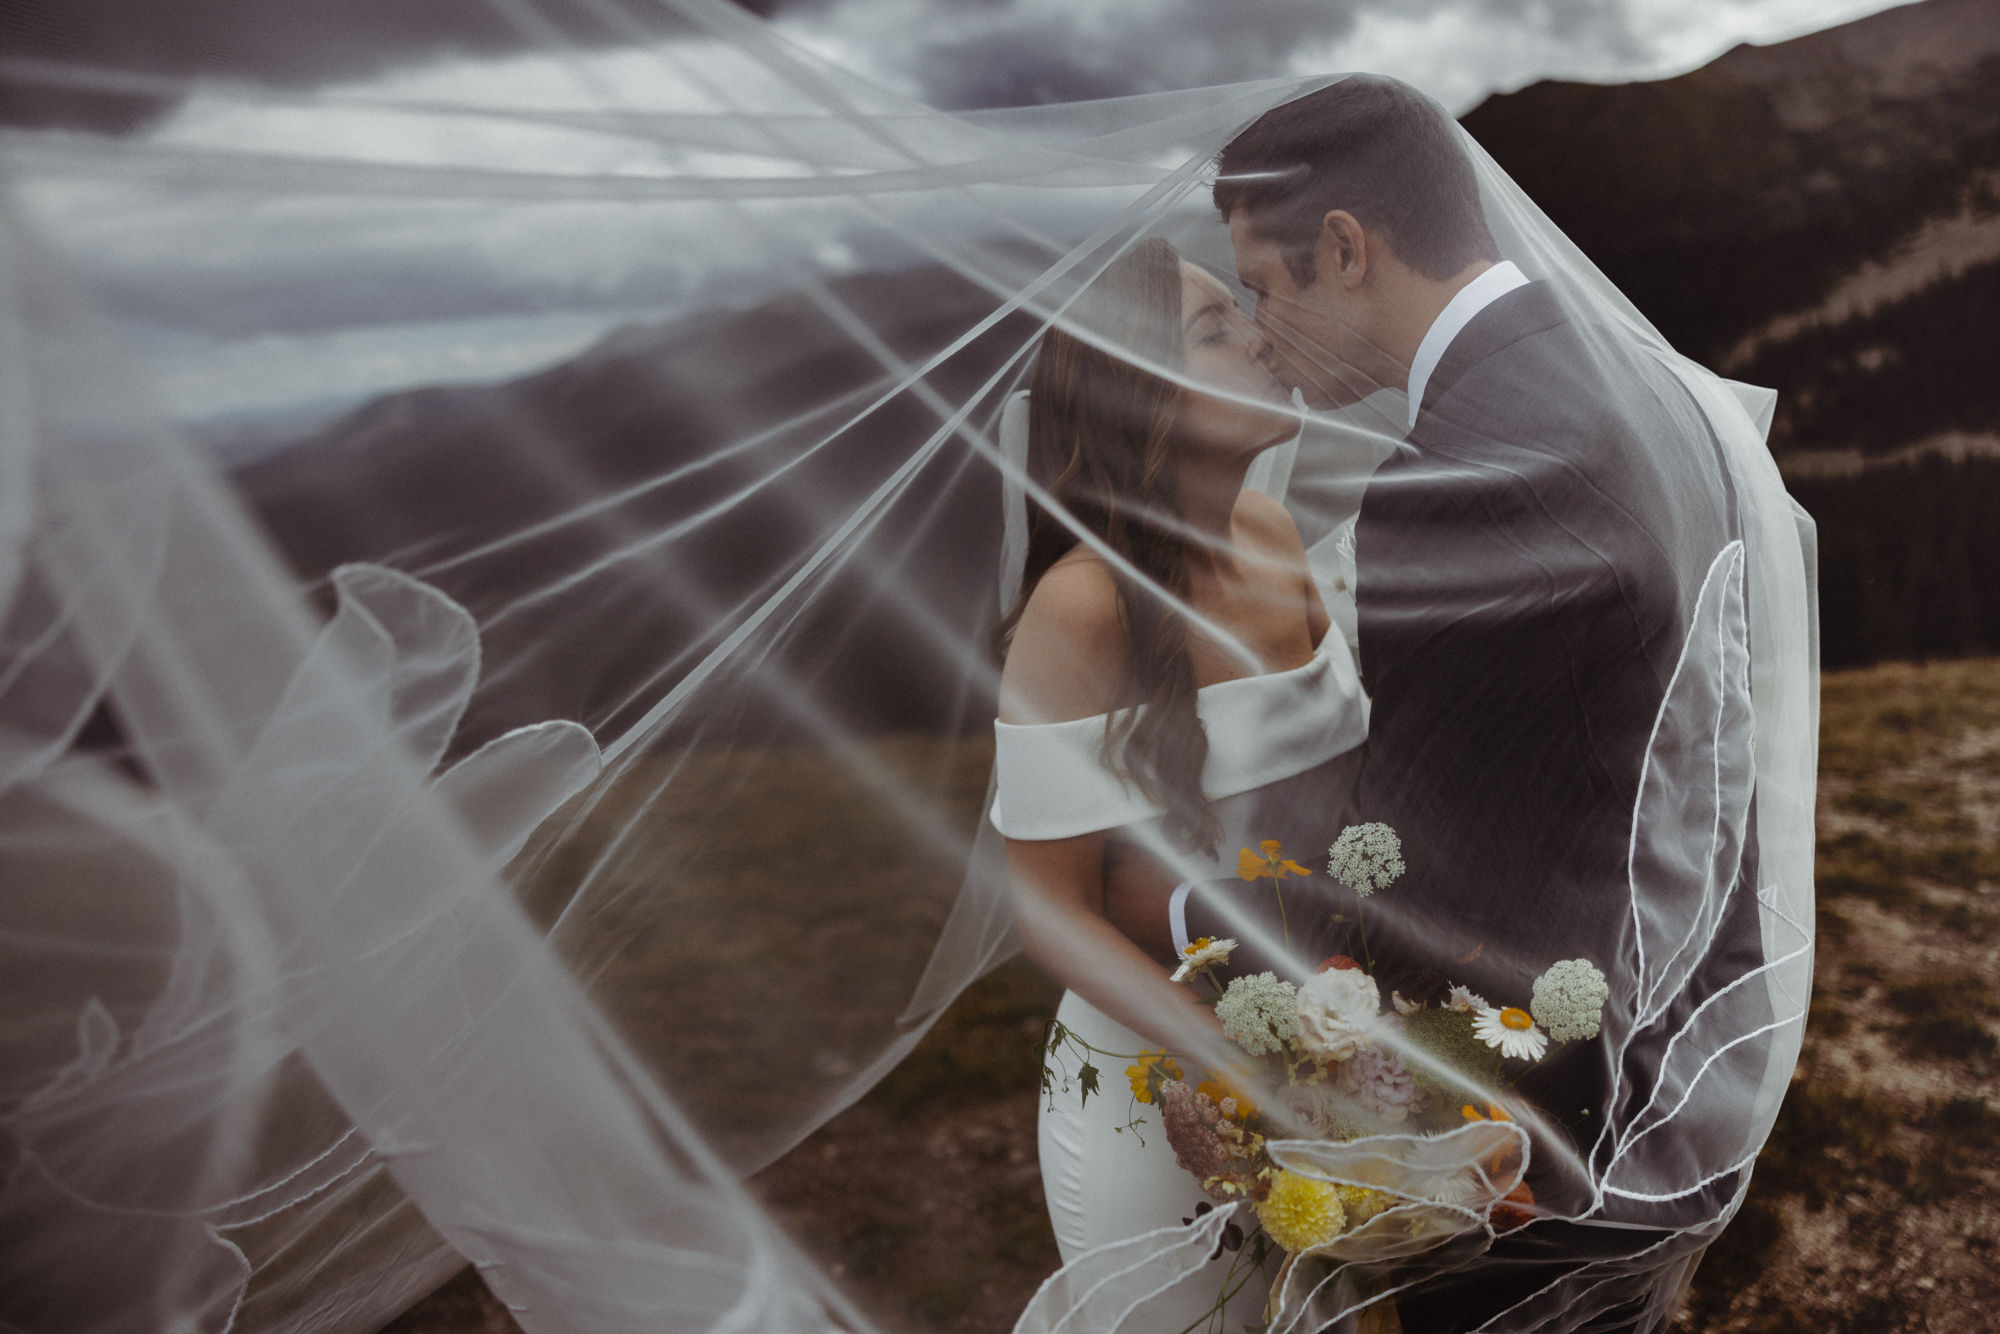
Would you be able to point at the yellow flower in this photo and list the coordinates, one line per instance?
(1362, 1204)
(1218, 1089)
(1270, 866)
(1146, 1076)
(1301, 1213)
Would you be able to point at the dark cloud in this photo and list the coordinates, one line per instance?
(287, 43)
(1014, 54)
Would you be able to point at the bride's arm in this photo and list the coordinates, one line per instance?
(1065, 663)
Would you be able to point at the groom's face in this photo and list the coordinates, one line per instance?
(1318, 338)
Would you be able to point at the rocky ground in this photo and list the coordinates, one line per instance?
(1876, 1207)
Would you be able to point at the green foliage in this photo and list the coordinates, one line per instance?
(1448, 1036)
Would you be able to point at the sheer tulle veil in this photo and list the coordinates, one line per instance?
(544, 778)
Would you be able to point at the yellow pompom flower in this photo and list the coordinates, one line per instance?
(1362, 1204)
(1146, 1076)
(1269, 866)
(1301, 1213)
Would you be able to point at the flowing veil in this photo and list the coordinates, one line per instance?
(497, 574)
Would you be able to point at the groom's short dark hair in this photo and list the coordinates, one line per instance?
(1370, 145)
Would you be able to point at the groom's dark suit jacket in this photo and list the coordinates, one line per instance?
(1527, 567)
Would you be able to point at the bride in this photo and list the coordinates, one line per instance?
(1169, 669)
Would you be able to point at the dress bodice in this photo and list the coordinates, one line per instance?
(1054, 782)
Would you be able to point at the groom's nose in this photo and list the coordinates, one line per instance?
(1263, 349)
(1255, 340)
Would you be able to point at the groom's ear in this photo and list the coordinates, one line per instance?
(1342, 253)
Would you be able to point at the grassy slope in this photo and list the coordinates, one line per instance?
(1876, 1207)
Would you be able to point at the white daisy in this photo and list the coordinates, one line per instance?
(1203, 953)
(1463, 1000)
(1512, 1030)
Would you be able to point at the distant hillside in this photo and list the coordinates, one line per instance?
(681, 536)
(1820, 215)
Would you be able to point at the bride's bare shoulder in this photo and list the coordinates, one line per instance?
(1068, 650)
(1268, 522)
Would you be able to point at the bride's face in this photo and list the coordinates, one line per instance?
(1233, 399)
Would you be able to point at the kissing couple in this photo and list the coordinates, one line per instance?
(1534, 650)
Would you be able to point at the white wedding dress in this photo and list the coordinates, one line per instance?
(1104, 1181)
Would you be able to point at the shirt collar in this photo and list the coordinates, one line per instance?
(1472, 298)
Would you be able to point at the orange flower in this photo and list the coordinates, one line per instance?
(1270, 866)
(1218, 1089)
(1509, 1212)
(1505, 1160)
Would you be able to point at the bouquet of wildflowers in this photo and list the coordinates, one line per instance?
(1341, 1063)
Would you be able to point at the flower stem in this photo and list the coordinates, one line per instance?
(1361, 929)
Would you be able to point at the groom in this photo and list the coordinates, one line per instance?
(1527, 564)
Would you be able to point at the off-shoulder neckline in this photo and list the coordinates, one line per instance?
(1259, 679)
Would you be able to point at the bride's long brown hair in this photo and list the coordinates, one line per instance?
(1102, 441)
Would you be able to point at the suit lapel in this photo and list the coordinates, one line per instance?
(1509, 318)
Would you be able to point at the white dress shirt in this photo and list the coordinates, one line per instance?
(1472, 298)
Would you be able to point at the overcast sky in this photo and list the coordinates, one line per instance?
(980, 53)
(248, 299)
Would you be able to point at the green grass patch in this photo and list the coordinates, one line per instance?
(1945, 1018)
(1826, 1142)
(1967, 921)
(1895, 713)
(1881, 805)
(1859, 866)
(1964, 1131)
(988, 1043)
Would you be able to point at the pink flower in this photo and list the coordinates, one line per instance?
(1194, 1130)
(1380, 1083)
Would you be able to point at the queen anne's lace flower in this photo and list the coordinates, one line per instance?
(1569, 999)
(1301, 1213)
(1512, 1030)
(1259, 1013)
(1203, 953)
(1339, 1010)
(1380, 1083)
(1366, 857)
